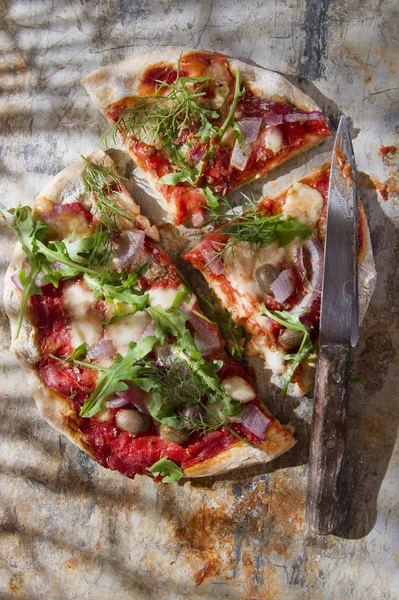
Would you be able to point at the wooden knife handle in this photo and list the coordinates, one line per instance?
(324, 506)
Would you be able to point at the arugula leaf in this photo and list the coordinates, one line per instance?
(30, 233)
(212, 200)
(236, 128)
(81, 250)
(238, 92)
(163, 411)
(168, 322)
(167, 469)
(293, 323)
(79, 352)
(175, 178)
(113, 379)
(207, 130)
(56, 251)
(125, 292)
(183, 295)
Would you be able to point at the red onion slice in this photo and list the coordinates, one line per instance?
(316, 279)
(116, 402)
(253, 419)
(101, 349)
(207, 336)
(134, 395)
(294, 117)
(300, 264)
(197, 219)
(16, 282)
(284, 285)
(128, 248)
(249, 130)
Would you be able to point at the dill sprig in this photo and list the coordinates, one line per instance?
(167, 113)
(163, 117)
(101, 183)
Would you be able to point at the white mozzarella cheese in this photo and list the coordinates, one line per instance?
(274, 359)
(274, 139)
(85, 319)
(88, 330)
(240, 269)
(303, 203)
(78, 298)
(238, 389)
(127, 329)
(162, 296)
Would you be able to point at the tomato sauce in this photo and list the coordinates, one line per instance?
(112, 447)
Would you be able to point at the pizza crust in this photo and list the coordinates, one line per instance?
(109, 84)
(64, 188)
(279, 439)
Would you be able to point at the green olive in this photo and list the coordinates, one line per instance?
(132, 420)
(265, 276)
(175, 436)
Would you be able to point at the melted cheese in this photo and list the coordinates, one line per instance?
(274, 359)
(240, 269)
(238, 389)
(303, 203)
(274, 140)
(126, 330)
(86, 320)
(162, 296)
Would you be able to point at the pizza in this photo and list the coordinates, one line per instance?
(266, 267)
(116, 349)
(200, 124)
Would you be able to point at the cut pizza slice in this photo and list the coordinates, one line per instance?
(201, 125)
(266, 266)
(118, 354)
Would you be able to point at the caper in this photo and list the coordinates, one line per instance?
(175, 436)
(265, 276)
(290, 339)
(132, 420)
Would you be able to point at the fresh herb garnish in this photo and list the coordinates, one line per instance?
(29, 234)
(238, 92)
(167, 469)
(256, 229)
(121, 287)
(56, 260)
(162, 118)
(233, 334)
(183, 296)
(101, 183)
(293, 323)
(79, 352)
(113, 379)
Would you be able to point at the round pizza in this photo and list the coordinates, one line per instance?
(200, 124)
(118, 353)
(266, 266)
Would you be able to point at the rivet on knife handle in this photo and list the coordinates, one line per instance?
(324, 497)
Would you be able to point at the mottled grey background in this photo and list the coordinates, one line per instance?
(68, 528)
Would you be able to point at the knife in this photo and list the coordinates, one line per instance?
(339, 333)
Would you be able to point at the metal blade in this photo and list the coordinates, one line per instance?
(339, 306)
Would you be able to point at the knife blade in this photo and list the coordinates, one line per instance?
(325, 506)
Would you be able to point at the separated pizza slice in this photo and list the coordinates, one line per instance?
(266, 266)
(201, 125)
(118, 354)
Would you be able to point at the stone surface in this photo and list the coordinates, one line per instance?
(68, 528)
